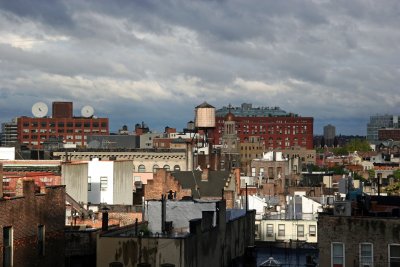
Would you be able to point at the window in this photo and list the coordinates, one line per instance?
(89, 183)
(366, 255)
(300, 230)
(338, 255)
(312, 230)
(7, 247)
(281, 230)
(261, 171)
(177, 168)
(253, 171)
(270, 172)
(394, 255)
(41, 240)
(270, 230)
(103, 183)
(167, 167)
(141, 168)
(155, 167)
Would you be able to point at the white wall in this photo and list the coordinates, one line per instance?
(96, 170)
(7, 153)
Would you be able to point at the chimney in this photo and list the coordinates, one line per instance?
(25, 188)
(204, 175)
(1, 180)
(104, 219)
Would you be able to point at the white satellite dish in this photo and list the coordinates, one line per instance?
(39, 110)
(87, 111)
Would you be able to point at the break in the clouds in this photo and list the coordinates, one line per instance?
(154, 61)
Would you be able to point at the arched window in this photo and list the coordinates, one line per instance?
(177, 168)
(167, 167)
(155, 167)
(141, 168)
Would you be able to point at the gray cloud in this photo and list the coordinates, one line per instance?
(156, 60)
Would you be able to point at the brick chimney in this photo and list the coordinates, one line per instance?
(1, 180)
(25, 188)
(204, 175)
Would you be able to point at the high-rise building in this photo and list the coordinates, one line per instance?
(276, 128)
(329, 134)
(378, 122)
(9, 133)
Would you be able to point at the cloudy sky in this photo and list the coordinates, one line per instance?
(154, 61)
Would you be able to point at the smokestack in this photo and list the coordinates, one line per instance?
(163, 213)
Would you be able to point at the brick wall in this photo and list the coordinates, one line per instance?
(355, 230)
(162, 183)
(24, 214)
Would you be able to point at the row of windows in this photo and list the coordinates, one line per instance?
(62, 124)
(142, 168)
(8, 244)
(312, 230)
(365, 255)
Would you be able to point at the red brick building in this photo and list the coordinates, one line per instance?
(32, 132)
(32, 226)
(274, 132)
(389, 133)
(276, 128)
(206, 185)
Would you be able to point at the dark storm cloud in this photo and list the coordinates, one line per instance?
(133, 60)
(50, 12)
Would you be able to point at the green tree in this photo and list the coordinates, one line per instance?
(358, 145)
(371, 174)
(396, 175)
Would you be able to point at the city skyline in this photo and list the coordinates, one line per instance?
(153, 61)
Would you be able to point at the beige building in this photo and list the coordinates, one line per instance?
(275, 230)
(249, 150)
(144, 160)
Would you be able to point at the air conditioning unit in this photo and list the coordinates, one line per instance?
(342, 208)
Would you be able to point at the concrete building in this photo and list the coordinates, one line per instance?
(205, 243)
(144, 160)
(32, 226)
(329, 135)
(378, 122)
(276, 128)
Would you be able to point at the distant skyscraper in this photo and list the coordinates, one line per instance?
(378, 122)
(9, 133)
(329, 134)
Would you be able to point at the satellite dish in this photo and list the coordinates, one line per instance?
(39, 110)
(87, 111)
